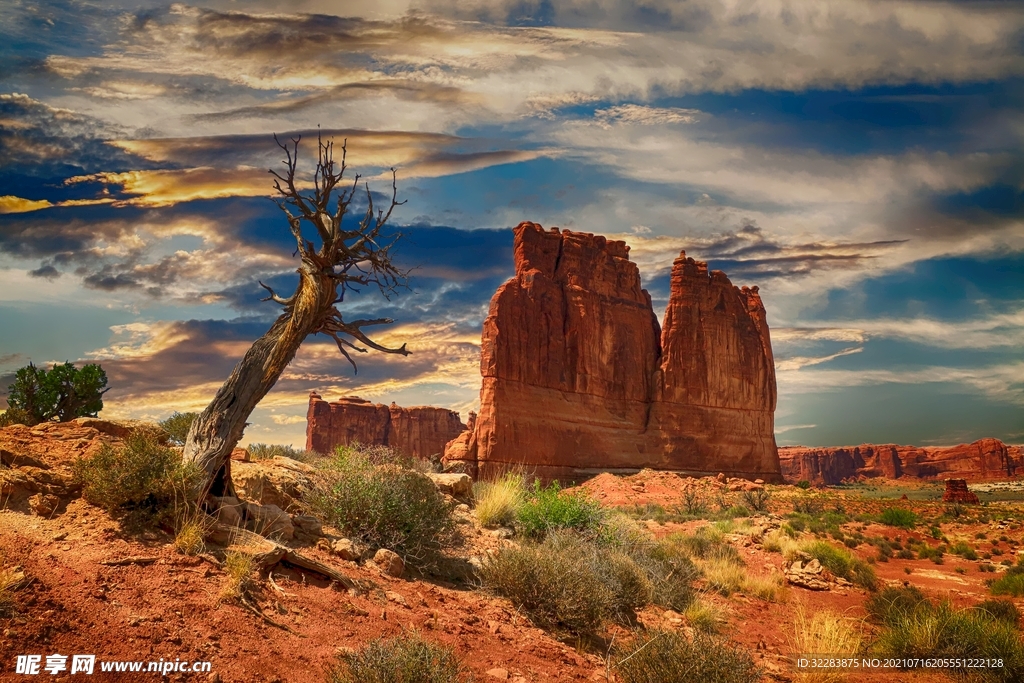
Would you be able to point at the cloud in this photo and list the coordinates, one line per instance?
(12, 204)
(1000, 383)
(798, 362)
(634, 114)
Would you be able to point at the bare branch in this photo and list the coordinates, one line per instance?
(274, 297)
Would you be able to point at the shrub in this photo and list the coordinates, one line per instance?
(707, 543)
(498, 502)
(141, 481)
(190, 532)
(9, 579)
(893, 603)
(671, 572)
(408, 658)
(669, 656)
(694, 503)
(756, 500)
(268, 451)
(764, 587)
(1010, 583)
(383, 506)
(963, 550)
(825, 633)
(807, 506)
(63, 393)
(1001, 610)
(15, 416)
(803, 484)
(899, 517)
(177, 426)
(556, 587)
(941, 631)
(550, 509)
(842, 563)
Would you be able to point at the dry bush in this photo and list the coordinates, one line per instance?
(670, 657)
(724, 576)
(408, 658)
(770, 587)
(826, 633)
(778, 541)
(498, 502)
(383, 506)
(9, 579)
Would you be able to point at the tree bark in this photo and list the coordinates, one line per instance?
(345, 259)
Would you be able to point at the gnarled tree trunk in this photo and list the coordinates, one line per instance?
(345, 259)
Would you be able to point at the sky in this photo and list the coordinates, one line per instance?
(861, 162)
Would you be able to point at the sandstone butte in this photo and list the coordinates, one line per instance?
(579, 378)
(981, 460)
(420, 432)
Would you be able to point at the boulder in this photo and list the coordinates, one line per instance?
(279, 481)
(808, 574)
(389, 562)
(270, 521)
(346, 549)
(455, 485)
(578, 377)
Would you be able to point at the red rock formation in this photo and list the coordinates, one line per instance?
(957, 492)
(420, 432)
(575, 380)
(983, 459)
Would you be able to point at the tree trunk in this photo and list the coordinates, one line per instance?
(220, 426)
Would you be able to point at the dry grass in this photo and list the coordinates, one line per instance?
(778, 541)
(240, 567)
(825, 633)
(769, 588)
(704, 615)
(724, 576)
(8, 580)
(498, 502)
(190, 533)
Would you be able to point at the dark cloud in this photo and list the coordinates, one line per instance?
(47, 271)
(751, 253)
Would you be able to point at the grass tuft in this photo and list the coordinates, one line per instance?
(240, 567)
(551, 509)
(669, 657)
(498, 502)
(825, 633)
(899, 517)
(408, 658)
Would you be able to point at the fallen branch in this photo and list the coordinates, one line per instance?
(124, 561)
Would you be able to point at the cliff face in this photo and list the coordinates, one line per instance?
(983, 459)
(420, 431)
(575, 380)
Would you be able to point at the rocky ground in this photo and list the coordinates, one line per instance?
(91, 588)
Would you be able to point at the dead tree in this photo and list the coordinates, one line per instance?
(346, 260)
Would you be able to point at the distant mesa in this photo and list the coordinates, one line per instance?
(985, 459)
(579, 377)
(420, 432)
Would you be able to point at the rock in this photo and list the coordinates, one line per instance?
(420, 432)
(44, 504)
(578, 377)
(810, 575)
(240, 455)
(980, 460)
(346, 549)
(270, 521)
(957, 492)
(279, 481)
(455, 485)
(389, 562)
(308, 524)
(498, 673)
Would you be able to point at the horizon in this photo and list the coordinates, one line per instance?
(861, 163)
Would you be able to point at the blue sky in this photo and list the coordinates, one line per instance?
(861, 162)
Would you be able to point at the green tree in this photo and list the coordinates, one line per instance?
(63, 393)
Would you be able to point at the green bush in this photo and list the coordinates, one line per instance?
(707, 543)
(383, 506)
(177, 426)
(669, 657)
(15, 416)
(1001, 610)
(1010, 583)
(141, 481)
(963, 550)
(408, 658)
(63, 393)
(550, 509)
(803, 484)
(842, 563)
(268, 451)
(899, 517)
(893, 603)
(941, 631)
